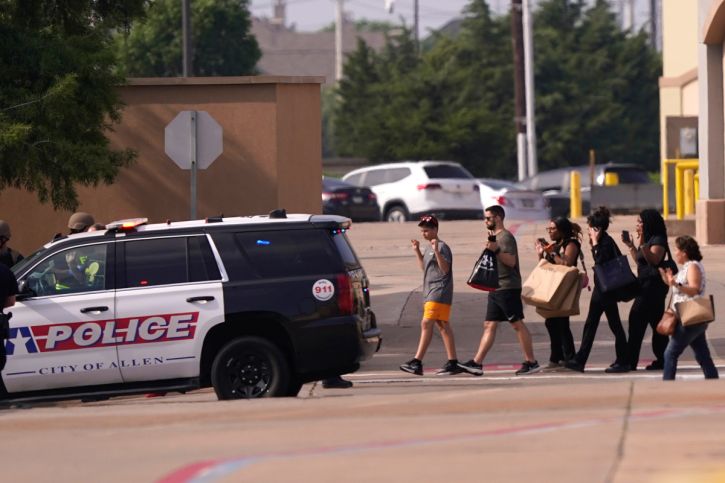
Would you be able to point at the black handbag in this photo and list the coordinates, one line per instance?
(615, 278)
(668, 262)
(485, 272)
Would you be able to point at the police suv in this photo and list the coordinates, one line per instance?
(253, 306)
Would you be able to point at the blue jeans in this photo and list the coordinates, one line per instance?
(694, 336)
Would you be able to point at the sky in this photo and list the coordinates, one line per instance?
(312, 15)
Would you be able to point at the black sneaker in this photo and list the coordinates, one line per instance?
(574, 366)
(336, 382)
(413, 366)
(528, 368)
(655, 366)
(617, 368)
(471, 367)
(450, 368)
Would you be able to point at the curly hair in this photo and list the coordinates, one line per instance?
(689, 245)
(600, 218)
(567, 228)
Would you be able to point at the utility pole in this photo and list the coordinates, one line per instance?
(186, 65)
(527, 22)
(415, 26)
(653, 23)
(338, 40)
(519, 93)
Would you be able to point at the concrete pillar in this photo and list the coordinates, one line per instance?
(710, 223)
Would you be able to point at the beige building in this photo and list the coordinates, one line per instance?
(270, 159)
(691, 102)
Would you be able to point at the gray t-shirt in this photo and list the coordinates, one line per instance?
(437, 286)
(508, 277)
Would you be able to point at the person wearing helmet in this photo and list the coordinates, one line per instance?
(80, 222)
(8, 256)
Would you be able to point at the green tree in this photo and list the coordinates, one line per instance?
(57, 95)
(596, 87)
(222, 42)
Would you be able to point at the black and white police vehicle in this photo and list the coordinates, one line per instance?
(253, 306)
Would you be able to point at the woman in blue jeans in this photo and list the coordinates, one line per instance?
(689, 283)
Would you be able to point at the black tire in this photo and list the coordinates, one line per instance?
(250, 367)
(396, 214)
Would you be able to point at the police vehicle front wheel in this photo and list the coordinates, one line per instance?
(250, 367)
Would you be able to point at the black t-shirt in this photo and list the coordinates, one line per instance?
(645, 271)
(8, 285)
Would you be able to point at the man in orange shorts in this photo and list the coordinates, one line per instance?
(436, 261)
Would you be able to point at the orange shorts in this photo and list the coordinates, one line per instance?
(436, 311)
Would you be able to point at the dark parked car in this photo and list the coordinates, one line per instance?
(358, 203)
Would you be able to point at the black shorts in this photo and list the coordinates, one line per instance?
(505, 305)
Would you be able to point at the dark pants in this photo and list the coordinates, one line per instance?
(562, 342)
(602, 305)
(693, 336)
(647, 309)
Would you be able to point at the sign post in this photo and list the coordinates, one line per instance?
(193, 140)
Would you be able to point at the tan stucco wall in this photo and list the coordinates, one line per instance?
(271, 158)
(679, 37)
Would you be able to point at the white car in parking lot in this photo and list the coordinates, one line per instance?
(518, 202)
(408, 189)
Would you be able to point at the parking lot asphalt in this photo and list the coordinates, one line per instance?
(392, 426)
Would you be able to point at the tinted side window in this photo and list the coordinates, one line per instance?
(159, 261)
(346, 252)
(75, 270)
(354, 179)
(202, 264)
(375, 177)
(396, 174)
(163, 261)
(439, 171)
(289, 252)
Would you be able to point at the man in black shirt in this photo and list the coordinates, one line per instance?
(8, 291)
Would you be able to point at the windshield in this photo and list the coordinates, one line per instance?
(450, 171)
(23, 264)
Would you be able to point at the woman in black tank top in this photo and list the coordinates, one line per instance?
(565, 250)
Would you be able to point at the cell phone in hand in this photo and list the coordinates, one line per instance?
(625, 237)
(543, 241)
(492, 238)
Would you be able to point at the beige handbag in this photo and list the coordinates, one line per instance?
(548, 285)
(699, 310)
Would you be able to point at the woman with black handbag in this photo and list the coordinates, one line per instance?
(565, 250)
(604, 249)
(649, 305)
(688, 284)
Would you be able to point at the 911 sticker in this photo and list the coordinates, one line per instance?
(323, 289)
(82, 335)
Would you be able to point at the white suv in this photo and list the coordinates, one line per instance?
(409, 189)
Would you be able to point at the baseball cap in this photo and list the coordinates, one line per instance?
(428, 221)
(4, 229)
(79, 221)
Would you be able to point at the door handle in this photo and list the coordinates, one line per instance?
(102, 308)
(203, 299)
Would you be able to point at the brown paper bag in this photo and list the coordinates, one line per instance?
(570, 305)
(548, 285)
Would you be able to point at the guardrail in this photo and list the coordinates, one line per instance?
(687, 186)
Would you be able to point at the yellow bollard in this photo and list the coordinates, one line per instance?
(697, 186)
(611, 179)
(575, 195)
(665, 176)
(689, 191)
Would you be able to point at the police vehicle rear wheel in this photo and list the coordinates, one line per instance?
(250, 367)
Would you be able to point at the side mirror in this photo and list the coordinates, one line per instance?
(24, 291)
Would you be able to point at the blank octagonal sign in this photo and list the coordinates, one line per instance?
(209, 141)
